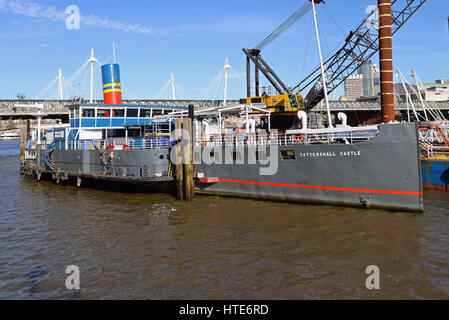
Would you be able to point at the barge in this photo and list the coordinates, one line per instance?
(111, 143)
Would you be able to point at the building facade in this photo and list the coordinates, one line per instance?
(436, 93)
(354, 87)
(366, 83)
(442, 81)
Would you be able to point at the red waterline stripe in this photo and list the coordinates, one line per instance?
(409, 193)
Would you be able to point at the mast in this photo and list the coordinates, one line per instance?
(408, 97)
(386, 61)
(172, 80)
(323, 72)
(227, 67)
(60, 78)
(248, 77)
(92, 60)
(419, 93)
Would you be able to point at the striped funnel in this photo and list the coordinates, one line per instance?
(112, 89)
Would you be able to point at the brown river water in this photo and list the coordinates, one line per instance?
(142, 246)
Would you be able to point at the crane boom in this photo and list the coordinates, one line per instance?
(253, 55)
(359, 47)
(298, 14)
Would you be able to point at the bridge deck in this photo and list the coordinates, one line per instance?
(53, 107)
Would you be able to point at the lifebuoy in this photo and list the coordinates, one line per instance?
(204, 141)
(298, 140)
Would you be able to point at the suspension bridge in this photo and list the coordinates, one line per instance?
(58, 107)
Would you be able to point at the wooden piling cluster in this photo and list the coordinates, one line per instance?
(22, 144)
(25, 135)
(184, 157)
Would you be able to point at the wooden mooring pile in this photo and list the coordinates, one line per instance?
(183, 149)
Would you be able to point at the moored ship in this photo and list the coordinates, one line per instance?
(236, 151)
(370, 166)
(344, 165)
(9, 135)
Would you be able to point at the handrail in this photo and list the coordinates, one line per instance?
(286, 138)
(159, 142)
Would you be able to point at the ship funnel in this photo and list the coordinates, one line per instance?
(112, 89)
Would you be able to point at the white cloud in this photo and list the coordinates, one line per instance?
(249, 23)
(106, 23)
(43, 45)
(34, 10)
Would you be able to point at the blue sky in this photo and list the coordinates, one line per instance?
(192, 39)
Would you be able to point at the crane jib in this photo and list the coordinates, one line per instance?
(358, 47)
(298, 14)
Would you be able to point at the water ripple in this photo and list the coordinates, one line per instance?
(138, 246)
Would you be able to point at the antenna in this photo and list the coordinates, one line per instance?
(114, 52)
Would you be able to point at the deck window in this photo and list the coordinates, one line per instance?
(103, 113)
(88, 113)
(116, 133)
(132, 113)
(118, 113)
(145, 113)
(288, 155)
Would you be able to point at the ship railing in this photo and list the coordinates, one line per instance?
(151, 143)
(78, 145)
(349, 137)
(287, 139)
(113, 144)
(430, 150)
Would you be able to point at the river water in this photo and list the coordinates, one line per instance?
(141, 246)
